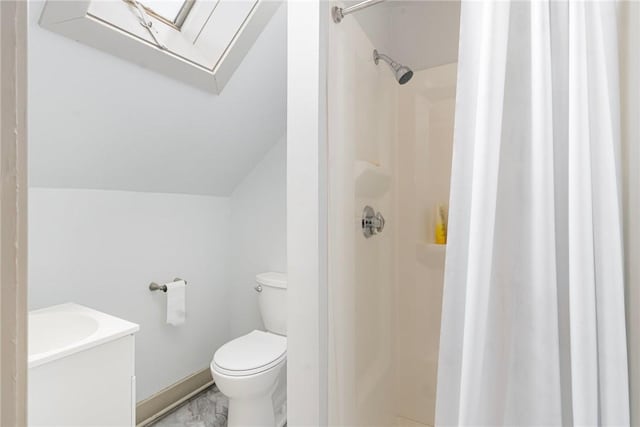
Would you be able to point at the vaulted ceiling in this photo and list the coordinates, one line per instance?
(97, 121)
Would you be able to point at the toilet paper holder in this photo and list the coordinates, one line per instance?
(153, 286)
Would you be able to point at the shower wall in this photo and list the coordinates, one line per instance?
(424, 146)
(390, 148)
(362, 99)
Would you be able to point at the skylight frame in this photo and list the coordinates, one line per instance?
(186, 7)
(186, 54)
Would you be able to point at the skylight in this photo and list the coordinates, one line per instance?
(201, 42)
(172, 12)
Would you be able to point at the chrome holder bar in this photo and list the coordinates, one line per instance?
(153, 286)
(338, 13)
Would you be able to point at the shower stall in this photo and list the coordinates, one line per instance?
(390, 133)
(545, 161)
(546, 120)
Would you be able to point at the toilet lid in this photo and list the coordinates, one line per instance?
(252, 353)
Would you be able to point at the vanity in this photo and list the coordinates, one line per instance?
(81, 368)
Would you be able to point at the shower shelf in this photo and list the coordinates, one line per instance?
(430, 254)
(371, 180)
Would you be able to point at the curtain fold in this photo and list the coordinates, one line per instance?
(533, 323)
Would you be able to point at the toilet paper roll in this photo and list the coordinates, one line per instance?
(176, 303)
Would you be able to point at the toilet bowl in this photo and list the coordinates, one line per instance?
(248, 370)
(251, 370)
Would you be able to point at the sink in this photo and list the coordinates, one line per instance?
(65, 329)
(81, 368)
(51, 331)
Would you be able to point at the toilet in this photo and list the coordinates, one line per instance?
(251, 370)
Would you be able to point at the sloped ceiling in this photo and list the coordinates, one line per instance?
(96, 121)
(419, 33)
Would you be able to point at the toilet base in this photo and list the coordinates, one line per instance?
(257, 412)
(260, 411)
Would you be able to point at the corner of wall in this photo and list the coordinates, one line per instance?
(258, 235)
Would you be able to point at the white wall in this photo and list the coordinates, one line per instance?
(103, 248)
(98, 121)
(307, 213)
(362, 132)
(259, 230)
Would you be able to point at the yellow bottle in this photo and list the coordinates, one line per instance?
(441, 225)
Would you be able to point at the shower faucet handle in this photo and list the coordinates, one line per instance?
(372, 222)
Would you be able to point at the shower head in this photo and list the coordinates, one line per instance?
(402, 72)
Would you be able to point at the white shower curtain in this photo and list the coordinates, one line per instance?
(533, 324)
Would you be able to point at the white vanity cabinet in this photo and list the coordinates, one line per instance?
(89, 385)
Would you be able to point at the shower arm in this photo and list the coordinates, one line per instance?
(378, 56)
(338, 13)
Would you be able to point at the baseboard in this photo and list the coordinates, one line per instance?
(166, 400)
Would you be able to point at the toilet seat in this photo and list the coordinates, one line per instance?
(250, 354)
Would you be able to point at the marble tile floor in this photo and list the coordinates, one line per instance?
(206, 409)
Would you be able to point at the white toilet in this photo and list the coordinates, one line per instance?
(251, 370)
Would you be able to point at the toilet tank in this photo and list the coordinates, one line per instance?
(272, 298)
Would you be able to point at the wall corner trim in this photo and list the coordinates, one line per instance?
(13, 213)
